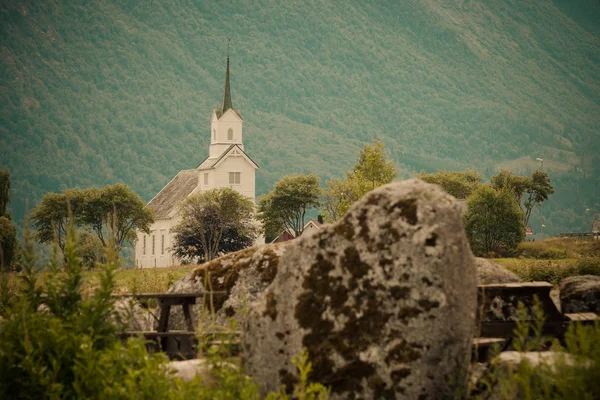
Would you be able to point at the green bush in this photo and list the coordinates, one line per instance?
(541, 250)
(58, 339)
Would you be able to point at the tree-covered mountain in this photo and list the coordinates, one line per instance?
(108, 91)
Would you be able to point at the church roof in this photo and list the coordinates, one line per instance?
(171, 195)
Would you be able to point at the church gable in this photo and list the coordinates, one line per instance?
(234, 151)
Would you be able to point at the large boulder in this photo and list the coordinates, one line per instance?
(129, 314)
(384, 301)
(240, 276)
(490, 273)
(580, 294)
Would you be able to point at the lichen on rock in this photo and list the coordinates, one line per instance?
(239, 276)
(384, 301)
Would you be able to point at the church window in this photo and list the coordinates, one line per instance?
(230, 134)
(162, 245)
(153, 244)
(234, 178)
(144, 246)
(206, 178)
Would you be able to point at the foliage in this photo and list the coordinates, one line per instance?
(286, 205)
(493, 222)
(8, 243)
(372, 170)
(89, 249)
(213, 222)
(8, 230)
(4, 191)
(460, 184)
(528, 191)
(93, 209)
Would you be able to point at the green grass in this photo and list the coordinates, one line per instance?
(550, 270)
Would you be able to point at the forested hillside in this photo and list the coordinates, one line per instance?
(121, 91)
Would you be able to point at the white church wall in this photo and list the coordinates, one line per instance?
(158, 255)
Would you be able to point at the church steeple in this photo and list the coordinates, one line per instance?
(227, 96)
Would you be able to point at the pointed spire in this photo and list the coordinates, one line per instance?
(227, 95)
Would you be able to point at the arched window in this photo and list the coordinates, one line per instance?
(230, 134)
(214, 134)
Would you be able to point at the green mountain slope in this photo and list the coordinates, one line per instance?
(121, 91)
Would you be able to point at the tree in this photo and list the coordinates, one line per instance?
(8, 230)
(214, 222)
(54, 214)
(114, 206)
(460, 184)
(4, 191)
(285, 206)
(372, 170)
(8, 243)
(527, 191)
(493, 221)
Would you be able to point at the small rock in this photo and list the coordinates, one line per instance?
(512, 359)
(132, 316)
(579, 294)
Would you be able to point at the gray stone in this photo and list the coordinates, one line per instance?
(580, 294)
(132, 316)
(490, 273)
(548, 359)
(242, 275)
(384, 301)
(200, 368)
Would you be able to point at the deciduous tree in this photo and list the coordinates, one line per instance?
(493, 221)
(214, 222)
(372, 170)
(285, 206)
(527, 191)
(92, 208)
(8, 230)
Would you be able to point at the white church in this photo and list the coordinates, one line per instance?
(227, 165)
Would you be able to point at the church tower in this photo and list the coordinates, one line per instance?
(227, 165)
(225, 123)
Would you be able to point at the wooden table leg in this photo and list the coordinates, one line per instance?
(163, 322)
(188, 316)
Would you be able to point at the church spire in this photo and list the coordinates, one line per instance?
(227, 95)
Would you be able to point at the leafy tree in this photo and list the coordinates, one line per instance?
(527, 191)
(285, 206)
(115, 206)
(460, 184)
(372, 170)
(8, 242)
(54, 214)
(215, 221)
(493, 221)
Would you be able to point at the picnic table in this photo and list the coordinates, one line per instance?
(176, 343)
